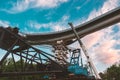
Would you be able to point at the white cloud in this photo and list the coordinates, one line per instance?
(83, 4)
(22, 5)
(104, 51)
(4, 23)
(107, 6)
(65, 17)
(59, 25)
(101, 44)
(55, 26)
(78, 7)
(49, 3)
(58, 28)
(92, 39)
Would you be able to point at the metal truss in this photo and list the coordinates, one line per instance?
(32, 60)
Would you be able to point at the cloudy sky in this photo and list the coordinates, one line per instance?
(38, 16)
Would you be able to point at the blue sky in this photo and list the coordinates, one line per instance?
(39, 16)
(26, 15)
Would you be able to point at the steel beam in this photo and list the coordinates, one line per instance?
(8, 52)
(98, 23)
(26, 58)
(9, 74)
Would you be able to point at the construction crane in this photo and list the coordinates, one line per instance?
(85, 52)
(39, 62)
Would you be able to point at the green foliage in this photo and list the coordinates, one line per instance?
(112, 73)
(9, 66)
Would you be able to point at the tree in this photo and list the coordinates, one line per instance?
(112, 73)
(9, 66)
